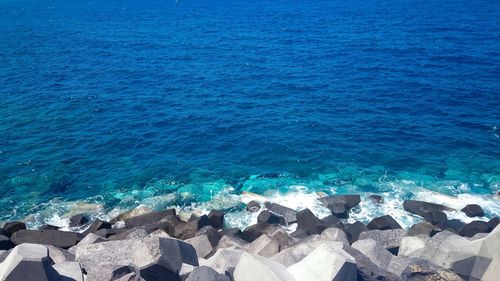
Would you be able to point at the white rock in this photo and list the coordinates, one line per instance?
(201, 244)
(265, 246)
(252, 267)
(69, 271)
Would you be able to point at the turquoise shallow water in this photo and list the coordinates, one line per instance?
(111, 105)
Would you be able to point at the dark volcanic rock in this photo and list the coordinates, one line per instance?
(212, 234)
(421, 208)
(61, 239)
(367, 270)
(234, 231)
(78, 220)
(216, 217)
(13, 226)
(377, 199)
(149, 218)
(289, 214)
(204, 273)
(5, 243)
(422, 270)
(435, 217)
(353, 230)
(333, 221)
(97, 225)
(383, 223)
(49, 227)
(493, 223)
(253, 206)
(453, 225)
(189, 230)
(253, 232)
(471, 268)
(340, 205)
(270, 217)
(309, 223)
(473, 210)
(423, 228)
(474, 228)
(169, 224)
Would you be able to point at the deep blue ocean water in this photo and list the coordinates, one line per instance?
(108, 105)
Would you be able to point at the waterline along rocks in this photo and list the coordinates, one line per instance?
(284, 245)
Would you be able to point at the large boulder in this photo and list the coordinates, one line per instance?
(148, 218)
(334, 234)
(96, 226)
(340, 205)
(205, 273)
(91, 238)
(423, 229)
(224, 260)
(435, 217)
(473, 210)
(59, 255)
(212, 234)
(201, 244)
(325, 264)
(255, 231)
(421, 208)
(78, 220)
(308, 223)
(253, 206)
(383, 223)
(296, 253)
(189, 229)
(353, 230)
(5, 243)
(412, 246)
(228, 241)
(453, 225)
(11, 227)
(28, 262)
(367, 270)
(61, 239)
(289, 214)
(252, 267)
(284, 239)
(69, 271)
(216, 218)
(473, 228)
(381, 256)
(153, 256)
(271, 218)
(265, 246)
(422, 270)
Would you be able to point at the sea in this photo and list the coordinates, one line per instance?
(111, 105)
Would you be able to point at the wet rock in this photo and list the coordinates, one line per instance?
(28, 262)
(253, 267)
(148, 218)
(340, 205)
(255, 231)
(335, 264)
(453, 225)
(377, 199)
(271, 218)
(205, 273)
(493, 223)
(190, 229)
(435, 217)
(231, 232)
(49, 227)
(423, 228)
(61, 239)
(5, 243)
(421, 208)
(353, 230)
(383, 223)
(97, 225)
(253, 206)
(78, 220)
(12, 227)
(216, 218)
(422, 270)
(473, 210)
(333, 221)
(289, 214)
(473, 228)
(309, 223)
(171, 224)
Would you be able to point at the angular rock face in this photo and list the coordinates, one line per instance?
(353, 230)
(453, 225)
(265, 246)
(216, 218)
(5, 243)
(309, 223)
(383, 223)
(271, 218)
(201, 244)
(325, 264)
(334, 234)
(473, 210)
(152, 256)
(78, 220)
(212, 234)
(255, 231)
(473, 228)
(435, 217)
(367, 270)
(283, 238)
(423, 228)
(412, 246)
(253, 206)
(421, 208)
(425, 271)
(97, 225)
(389, 239)
(69, 271)
(148, 218)
(28, 262)
(231, 241)
(204, 273)
(471, 268)
(340, 205)
(224, 260)
(91, 238)
(61, 239)
(252, 267)
(290, 215)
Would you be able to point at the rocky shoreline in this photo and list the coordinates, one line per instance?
(160, 246)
